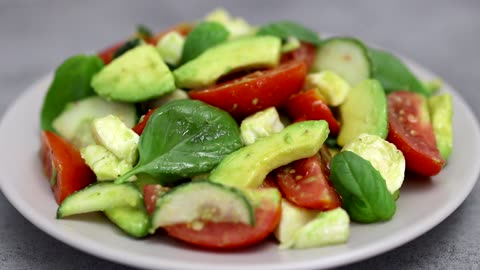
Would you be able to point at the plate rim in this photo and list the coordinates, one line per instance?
(376, 248)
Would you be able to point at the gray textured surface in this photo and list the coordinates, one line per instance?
(442, 35)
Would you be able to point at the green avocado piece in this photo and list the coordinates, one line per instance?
(328, 228)
(247, 52)
(364, 111)
(441, 113)
(137, 75)
(248, 166)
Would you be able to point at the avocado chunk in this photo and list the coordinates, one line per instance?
(328, 228)
(113, 134)
(384, 156)
(170, 47)
(441, 113)
(236, 26)
(248, 52)
(248, 166)
(261, 124)
(293, 218)
(364, 111)
(137, 75)
(329, 85)
(104, 163)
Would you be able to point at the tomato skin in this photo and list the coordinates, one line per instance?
(151, 192)
(305, 183)
(309, 105)
(107, 54)
(255, 91)
(269, 182)
(226, 235)
(72, 173)
(306, 53)
(140, 126)
(411, 135)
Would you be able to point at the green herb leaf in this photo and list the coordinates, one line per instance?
(393, 74)
(185, 138)
(364, 192)
(286, 29)
(130, 44)
(143, 32)
(205, 35)
(71, 83)
(53, 178)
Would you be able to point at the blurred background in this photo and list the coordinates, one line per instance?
(443, 36)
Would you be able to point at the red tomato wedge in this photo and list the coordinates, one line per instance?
(63, 166)
(256, 91)
(309, 105)
(411, 132)
(269, 182)
(305, 183)
(151, 192)
(227, 235)
(140, 126)
(306, 53)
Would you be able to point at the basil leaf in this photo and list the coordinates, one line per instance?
(71, 83)
(364, 192)
(144, 32)
(286, 29)
(205, 35)
(393, 74)
(185, 138)
(128, 45)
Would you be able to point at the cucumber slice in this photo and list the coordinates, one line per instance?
(74, 121)
(99, 197)
(202, 201)
(134, 221)
(348, 57)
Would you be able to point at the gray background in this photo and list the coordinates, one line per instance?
(35, 36)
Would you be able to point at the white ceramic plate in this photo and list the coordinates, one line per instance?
(421, 206)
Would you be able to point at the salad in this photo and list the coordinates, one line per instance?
(220, 133)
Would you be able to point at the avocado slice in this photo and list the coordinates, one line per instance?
(248, 166)
(248, 52)
(364, 111)
(137, 75)
(441, 113)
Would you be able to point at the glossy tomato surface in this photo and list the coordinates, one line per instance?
(412, 133)
(63, 166)
(140, 126)
(306, 53)
(310, 106)
(227, 235)
(256, 91)
(305, 183)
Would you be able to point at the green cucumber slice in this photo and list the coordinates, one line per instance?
(100, 197)
(74, 122)
(347, 57)
(202, 201)
(134, 221)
